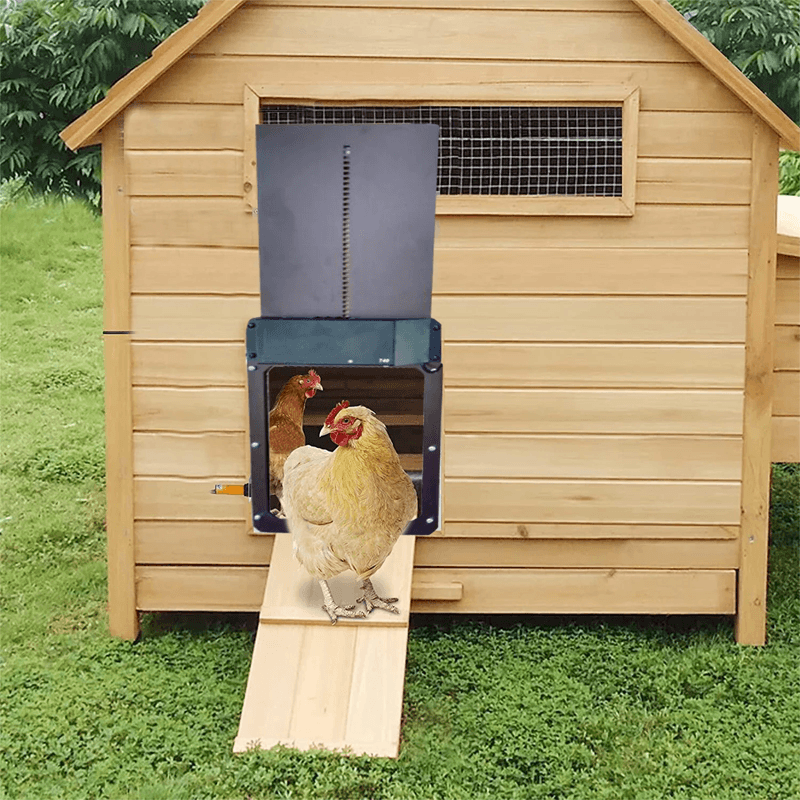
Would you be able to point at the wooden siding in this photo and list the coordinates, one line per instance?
(594, 367)
(443, 34)
(786, 401)
(230, 543)
(524, 591)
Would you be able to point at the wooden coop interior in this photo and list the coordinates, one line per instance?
(610, 405)
(396, 397)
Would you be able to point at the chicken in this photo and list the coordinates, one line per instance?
(346, 509)
(286, 424)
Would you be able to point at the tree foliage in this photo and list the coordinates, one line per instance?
(57, 59)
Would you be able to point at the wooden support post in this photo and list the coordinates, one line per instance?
(760, 333)
(123, 620)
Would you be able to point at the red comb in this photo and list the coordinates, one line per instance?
(332, 416)
(312, 374)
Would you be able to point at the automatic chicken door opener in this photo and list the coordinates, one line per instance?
(346, 217)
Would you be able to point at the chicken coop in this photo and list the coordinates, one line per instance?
(604, 273)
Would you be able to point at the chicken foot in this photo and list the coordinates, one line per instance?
(335, 611)
(371, 600)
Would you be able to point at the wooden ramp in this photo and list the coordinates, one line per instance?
(317, 685)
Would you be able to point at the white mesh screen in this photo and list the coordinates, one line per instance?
(500, 150)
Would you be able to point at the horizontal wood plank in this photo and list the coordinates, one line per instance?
(507, 319)
(221, 542)
(593, 457)
(206, 455)
(713, 136)
(787, 302)
(225, 222)
(619, 501)
(219, 174)
(189, 499)
(187, 318)
(590, 319)
(568, 531)
(619, 553)
(592, 411)
(692, 181)
(218, 79)
(596, 366)
(485, 503)
(483, 365)
(196, 364)
(194, 270)
(786, 439)
(185, 173)
(478, 34)
(183, 126)
(198, 270)
(788, 266)
(565, 591)
(556, 591)
(668, 135)
(190, 410)
(227, 543)
(787, 347)
(200, 588)
(474, 411)
(682, 227)
(786, 398)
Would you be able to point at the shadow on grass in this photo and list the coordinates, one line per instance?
(155, 624)
(656, 625)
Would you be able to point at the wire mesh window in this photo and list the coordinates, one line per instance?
(500, 150)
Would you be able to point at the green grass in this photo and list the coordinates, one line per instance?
(607, 708)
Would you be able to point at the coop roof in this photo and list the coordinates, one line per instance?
(85, 129)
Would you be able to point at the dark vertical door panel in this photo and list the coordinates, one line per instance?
(392, 210)
(389, 174)
(299, 220)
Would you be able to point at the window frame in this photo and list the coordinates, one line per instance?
(496, 94)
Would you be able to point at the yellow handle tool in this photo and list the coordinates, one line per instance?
(235, 488)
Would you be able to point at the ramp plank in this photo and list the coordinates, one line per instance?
(292, 595)
(317, 685)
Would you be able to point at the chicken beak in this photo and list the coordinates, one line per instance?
(324, 430)
(318, 387)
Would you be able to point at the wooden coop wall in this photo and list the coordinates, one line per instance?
(594, 367)
(786, 404)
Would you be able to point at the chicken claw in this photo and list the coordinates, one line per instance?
(335, 611)
(371, 600)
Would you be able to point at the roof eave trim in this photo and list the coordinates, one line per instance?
(82, 132)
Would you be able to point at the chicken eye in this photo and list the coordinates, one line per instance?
(347, 420)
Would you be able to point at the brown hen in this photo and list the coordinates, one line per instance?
(286, 424)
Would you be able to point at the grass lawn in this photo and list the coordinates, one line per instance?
(610, 708)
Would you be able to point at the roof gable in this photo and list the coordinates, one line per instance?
(84, 130)
(673, 23)
(128, 88)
